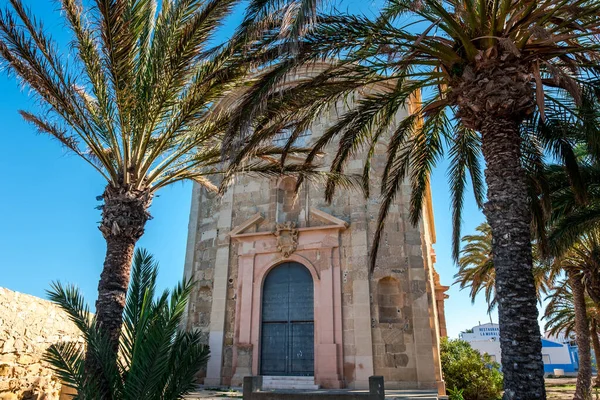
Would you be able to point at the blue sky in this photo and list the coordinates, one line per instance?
(49, 222)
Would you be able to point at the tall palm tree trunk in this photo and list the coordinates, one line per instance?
(113, 284)
(584, 375)
(124, 216)
(507, 212)
(596, 347)
(592, 276)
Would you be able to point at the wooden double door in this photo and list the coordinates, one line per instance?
(287, 326)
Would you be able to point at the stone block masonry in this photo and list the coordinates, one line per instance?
(28, 326)
(385, 322)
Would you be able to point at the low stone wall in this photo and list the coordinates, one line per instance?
(28, 326)
(252, 385)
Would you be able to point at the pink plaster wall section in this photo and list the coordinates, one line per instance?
(318, 251)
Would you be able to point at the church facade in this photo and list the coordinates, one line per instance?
(284, 288)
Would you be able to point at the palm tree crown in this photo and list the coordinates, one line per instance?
(490, 73)
(573, 217)
(546, 48)
(476, 267)
(135, 102)
(560, 311)
(584, 256)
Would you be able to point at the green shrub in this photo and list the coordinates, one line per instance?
(156, 359)
(464, 368)
(455, 394)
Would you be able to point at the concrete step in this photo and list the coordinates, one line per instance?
(304, 379)
(289, 385)
(289, 382)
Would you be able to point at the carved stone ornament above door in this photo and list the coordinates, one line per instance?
(287, 238)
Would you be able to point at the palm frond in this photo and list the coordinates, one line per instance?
(156, 359)
(188, 355)
(476, 268)
(67, 360)
(560, 311)
(550, 37)
(137, 101)
(465, 154)
(70, 299)
(136, 312)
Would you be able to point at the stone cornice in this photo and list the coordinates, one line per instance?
(334, 224)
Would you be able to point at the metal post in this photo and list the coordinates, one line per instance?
(376, 388)
(257, 383)
(248, 387)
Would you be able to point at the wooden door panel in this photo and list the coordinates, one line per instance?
(287, 335)
(274, 360)
(302, 349)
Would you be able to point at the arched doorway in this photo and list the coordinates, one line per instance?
(287, 328)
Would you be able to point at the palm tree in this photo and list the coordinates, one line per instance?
(575, 237)
(594, 321)
(582, 326)
(490, 64)
(569, 312)
(573, 215)
(476, 267)
(584, 256)
(575, 223)
(573, 242)
(157, 360)
(134, 102)
(560, 311)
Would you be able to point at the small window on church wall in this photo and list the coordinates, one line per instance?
(288, 202)
(389, 300)
(287, 194)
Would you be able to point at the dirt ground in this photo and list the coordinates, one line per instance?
(563, 389)
(560, 388)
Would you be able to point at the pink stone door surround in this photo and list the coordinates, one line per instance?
(318, 251)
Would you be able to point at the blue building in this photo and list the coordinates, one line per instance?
(557, 353)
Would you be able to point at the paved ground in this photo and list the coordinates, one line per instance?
(208, 394)
(557, 389)
(216, 394)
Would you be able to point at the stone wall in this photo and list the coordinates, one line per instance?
(28, 326)
(391, 318)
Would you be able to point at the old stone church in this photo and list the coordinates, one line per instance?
(284, 289)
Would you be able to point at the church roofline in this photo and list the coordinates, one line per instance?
(238, 230)
(326, 217)
(334, 223)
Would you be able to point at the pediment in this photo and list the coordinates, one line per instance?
(255, 220)
(319, 220)
(323, 217)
